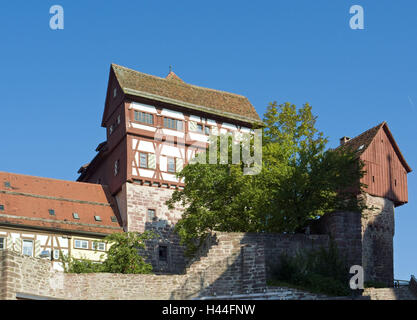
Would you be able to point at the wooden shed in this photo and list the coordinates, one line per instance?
(386, 168)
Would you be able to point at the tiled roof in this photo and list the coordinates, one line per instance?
(361, 142)
(27, 201)
(178, 92)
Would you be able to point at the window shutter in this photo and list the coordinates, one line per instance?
(152, 161)
(9, 243)
(180, 164)
(18, 245)
(37, 248)
(192, 126)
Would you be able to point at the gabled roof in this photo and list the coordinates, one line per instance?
(26, 201)
(361, 142)
(175, 91)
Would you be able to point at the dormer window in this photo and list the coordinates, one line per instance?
(114, 93)
(1, 207)
(97, 218)
(111, 129)
(51, 212)
(76, 216)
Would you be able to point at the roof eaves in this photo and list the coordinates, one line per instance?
(190, 106)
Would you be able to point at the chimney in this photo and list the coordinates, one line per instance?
(344, 140)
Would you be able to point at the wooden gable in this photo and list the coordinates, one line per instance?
(386, 168)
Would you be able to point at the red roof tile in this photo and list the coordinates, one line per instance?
(27, 201)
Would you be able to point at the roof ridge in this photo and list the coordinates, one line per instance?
(182, 83)
(53, 179)
(365, 132)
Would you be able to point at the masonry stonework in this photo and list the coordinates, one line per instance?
(377, 228)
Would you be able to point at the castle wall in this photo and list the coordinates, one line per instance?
(377, 229)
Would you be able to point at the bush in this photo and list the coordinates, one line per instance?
(320, 271)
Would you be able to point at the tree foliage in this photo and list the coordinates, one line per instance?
(122, 256)
(299, 181)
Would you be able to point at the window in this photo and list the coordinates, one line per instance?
(27, 248)
(163, 253)
(207, 130)
(143, 117)
(2, 243)
(118, 119)
(56, 254)
(99, 246)
(76, 216)
(116, 167)
(114, 92)
(81, 244)
(113, 219)
(1, 207)
(97, 218)
(111, 129)
(171, 164)
(173, 124)
(151, 215)
(143, 160)
(7, 184)
(199, 127)
(51, 212)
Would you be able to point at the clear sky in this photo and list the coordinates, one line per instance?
(53, 82)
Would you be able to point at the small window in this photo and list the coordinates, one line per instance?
(114, 92)
(111, 128)
(1, 207)
(207, 130)
(151, 215)
(56, 254)
(27, 248)
(395, 182)
(97, 218)
(163, 253)
(373, 178)
(199, 128)
(171, 164)
(173, 124)
(2, 243)
(143, 160)
(143, 117)
(51, 212)
(7, 184)
(76, 216)
(113, 219)
(118, 119)
(81, 244)
(99, 246)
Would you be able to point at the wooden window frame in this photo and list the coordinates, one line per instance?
(33, 246)
(176, 121)
(94, 243)
(137, 112)
(140, 160)
(88, 244)
(175, 165)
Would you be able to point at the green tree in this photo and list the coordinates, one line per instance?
(123, 256)
(299, 181)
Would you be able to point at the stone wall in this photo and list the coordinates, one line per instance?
(230, 262)
(377, 227)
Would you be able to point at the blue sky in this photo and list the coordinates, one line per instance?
(53, 83)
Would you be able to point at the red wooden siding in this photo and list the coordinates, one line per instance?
(386, 176)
